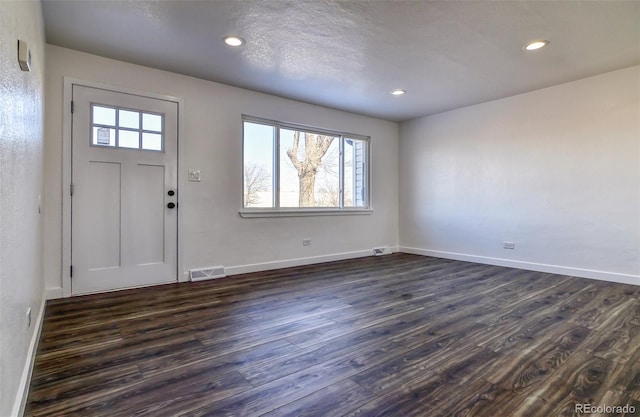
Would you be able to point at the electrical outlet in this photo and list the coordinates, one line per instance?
(306, 242)
(509, 245)
(28, 315)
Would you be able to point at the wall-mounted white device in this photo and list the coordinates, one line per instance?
(24, 56)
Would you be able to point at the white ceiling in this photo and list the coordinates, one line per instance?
(350, 54)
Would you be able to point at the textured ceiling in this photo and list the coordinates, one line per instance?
(350, 54)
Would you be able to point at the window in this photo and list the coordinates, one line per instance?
(294, 168)
(125, 128)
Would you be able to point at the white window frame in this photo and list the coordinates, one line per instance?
(278, 211)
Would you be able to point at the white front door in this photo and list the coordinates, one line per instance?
(124, 195)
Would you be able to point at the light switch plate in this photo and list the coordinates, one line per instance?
(24, 56)
(194, 175)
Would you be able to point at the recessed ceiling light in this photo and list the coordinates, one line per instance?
(233, 41)
(535, 45)
(397, 92)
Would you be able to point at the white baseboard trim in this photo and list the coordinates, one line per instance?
(531, 266)
(56, 292)
(20, 401)
(266, 266)
(53, 293)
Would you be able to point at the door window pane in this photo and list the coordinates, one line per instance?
(152, 122)
(104, 116)
(152, 141)
(129, 139)
(103, 136)
(130, 119)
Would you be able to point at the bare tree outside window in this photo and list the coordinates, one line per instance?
(308, 162)
(328, 181)
(256, 180)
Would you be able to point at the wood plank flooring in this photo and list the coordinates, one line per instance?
(398, 335)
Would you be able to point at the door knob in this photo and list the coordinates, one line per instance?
(171, 205)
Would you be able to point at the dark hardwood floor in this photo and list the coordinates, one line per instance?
(398, 335)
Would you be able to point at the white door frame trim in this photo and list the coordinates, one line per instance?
(69, 82)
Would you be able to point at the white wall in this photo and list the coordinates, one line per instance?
(21, 179)
(557, 171)
(213, 231)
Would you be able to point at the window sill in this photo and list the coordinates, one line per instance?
(302, 213)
